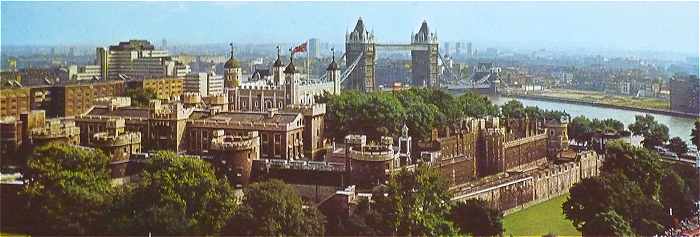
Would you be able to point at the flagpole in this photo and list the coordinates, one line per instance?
(308, 73)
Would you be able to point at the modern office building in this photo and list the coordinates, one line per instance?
(137, 59)
(314, 48)
(206, 84)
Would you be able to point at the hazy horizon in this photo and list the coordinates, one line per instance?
(647, 26)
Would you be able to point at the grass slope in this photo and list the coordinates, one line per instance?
(541, 219)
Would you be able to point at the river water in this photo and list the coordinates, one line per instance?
(677, 126)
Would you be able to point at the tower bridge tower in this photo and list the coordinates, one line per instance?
(424, 57)
(361, 42)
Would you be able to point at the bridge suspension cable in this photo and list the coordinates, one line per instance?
(349, 69)
(448, 69)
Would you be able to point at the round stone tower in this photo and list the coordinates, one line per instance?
(370, 165)
(235, 155)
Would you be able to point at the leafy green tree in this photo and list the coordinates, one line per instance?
(175, 195)
(513, 109)
(677, 145)
(580, 130)
(641, 165)
(273, 208)
(607, 224)
(677, 195)
(67, 190)
(615, 192)
(654, 134)
(421, 118)
(477, 106)
(140, 96)
(586, 199)
(475, 218)
(414, 203)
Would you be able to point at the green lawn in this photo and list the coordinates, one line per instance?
(541, 219)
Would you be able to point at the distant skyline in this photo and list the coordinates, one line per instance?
(653, 26)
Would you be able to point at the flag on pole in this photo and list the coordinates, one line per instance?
(300, 48)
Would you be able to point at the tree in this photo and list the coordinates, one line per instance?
(654, 134)
(677, 145)
(273, 208)
(475, 218)
(695, 134)
(477, 106)
(140, 96)
(414, 203)
(67, 190)
(677, 195)
(641, 165)
(175, 195)
(513, 109)
(616, 192)
(421, 118)
(607, 224)
(580, 129)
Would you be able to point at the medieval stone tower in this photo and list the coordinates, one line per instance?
(557, 136)
(232, 71)
(235, 154)
(360, 43)
(424, 60)
(334, 74)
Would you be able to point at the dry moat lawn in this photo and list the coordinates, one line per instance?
(541, 219)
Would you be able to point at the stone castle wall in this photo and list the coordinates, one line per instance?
(512, 192)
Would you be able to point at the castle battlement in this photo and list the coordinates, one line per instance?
(106, 139)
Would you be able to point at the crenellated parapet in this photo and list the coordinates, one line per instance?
(235, 143)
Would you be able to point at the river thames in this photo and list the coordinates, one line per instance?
(678, 126)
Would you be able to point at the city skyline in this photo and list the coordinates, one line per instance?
(649, 26)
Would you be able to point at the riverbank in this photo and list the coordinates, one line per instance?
(600, 104)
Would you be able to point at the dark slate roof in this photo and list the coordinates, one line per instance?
(257, 117)
(139, 112)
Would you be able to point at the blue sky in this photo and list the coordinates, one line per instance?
(614, 25)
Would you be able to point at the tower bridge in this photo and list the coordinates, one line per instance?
(360, 57)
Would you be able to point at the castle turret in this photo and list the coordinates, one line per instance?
(557, 136)
(405, 146)
(278, 70)
(232, 71)
(291, 77)
(235, 155)
(334, 74)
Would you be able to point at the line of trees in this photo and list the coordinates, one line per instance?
(633, 194)
(68, 191)
(421, 109)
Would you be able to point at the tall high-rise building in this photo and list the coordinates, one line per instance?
(458, 49)
(314, 48)
(685, 94)
(137, 59)
(448, 48)
(469, 50)
(164, 44)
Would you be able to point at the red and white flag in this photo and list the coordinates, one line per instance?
(300, 48)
